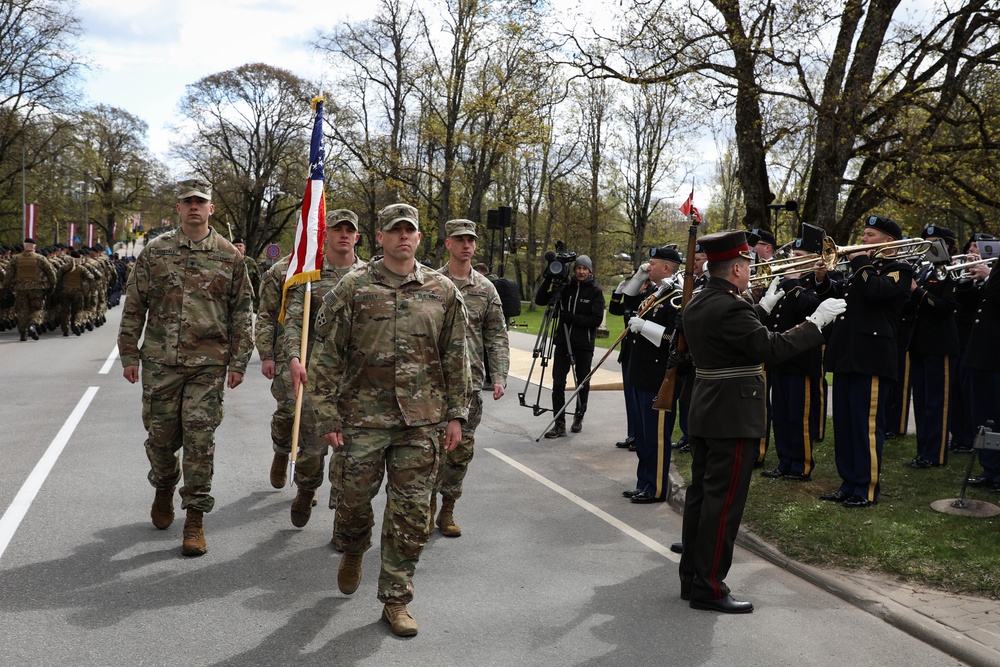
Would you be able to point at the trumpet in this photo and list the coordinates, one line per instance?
(903, 250)
(961, 271)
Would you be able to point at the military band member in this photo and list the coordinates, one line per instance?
(188, 298)
(862, 357)
(933, 352)
(650, 330)
(390, 385)
(486, 335)
(342, 236)
(728, 342)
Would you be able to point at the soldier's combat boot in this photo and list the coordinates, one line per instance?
(446, 519)
(558, 430)
(33, 332)
(302, 507)
(349, 573)
(398, 617)
(162, 512)
(577, 423)
(90, 325)
(194, 534)
(24, 336)
(279, 470)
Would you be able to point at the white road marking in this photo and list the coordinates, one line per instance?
(11, 519)
(596, 511)
(111, 360)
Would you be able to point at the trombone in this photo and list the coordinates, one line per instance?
(903, 250)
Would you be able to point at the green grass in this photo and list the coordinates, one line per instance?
(901, 536)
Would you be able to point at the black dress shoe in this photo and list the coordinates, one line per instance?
(643, 498)
(834, 496)
(889, 436)
(623, 444)
(981, 480)
(726, 605)
(995, 488)
(854, 502)
(631, 493)
(631, 446)
(921, 462)
(772, 474)
(678, 548)
(797, 477)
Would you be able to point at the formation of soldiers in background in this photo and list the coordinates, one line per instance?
(58, 287)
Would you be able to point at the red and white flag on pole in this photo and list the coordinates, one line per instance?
(90, 235)
(307, 254)
(72, 233)
(688, 209)
(30, 220)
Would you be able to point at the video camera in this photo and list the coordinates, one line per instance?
(558, 263)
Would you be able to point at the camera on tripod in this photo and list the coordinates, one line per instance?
(558, 263)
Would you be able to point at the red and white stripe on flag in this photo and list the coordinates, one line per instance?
(30, 220)
(72, 233)
(90, 234)
(307, 254)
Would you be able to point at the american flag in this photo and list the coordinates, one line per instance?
(307, 253)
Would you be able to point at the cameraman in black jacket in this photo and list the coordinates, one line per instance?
(579, 311)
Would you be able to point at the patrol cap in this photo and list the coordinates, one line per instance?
(394, 213)
(938, 231)
(665, 252)
(239, 240)
(194, 187)
(337, 216)
(887, 226)
(763, 235)
(722, 246)
(460, 227)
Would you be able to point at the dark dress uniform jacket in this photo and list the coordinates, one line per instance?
(934, 330)
(863, 339)
(983, 351)
(724, 332)
(791, 310)
(647, 363)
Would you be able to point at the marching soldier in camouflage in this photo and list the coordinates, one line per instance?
(32, 278)
(486, 334)
(342, 236)
(190, 292)
(71, 278)
(268, 335)
(390, 387)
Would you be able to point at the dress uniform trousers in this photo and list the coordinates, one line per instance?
(720, 471)
(652, 444)
(796, 404)
(897, 407)
(931, 376)
(859, 432)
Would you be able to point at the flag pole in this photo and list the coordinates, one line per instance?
(303, 349)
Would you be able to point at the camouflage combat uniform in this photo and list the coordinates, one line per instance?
(486, 334)
(72, 276)
(312, 446)
(268, 336)
(31, 277)
(389, 370)
(196, 297)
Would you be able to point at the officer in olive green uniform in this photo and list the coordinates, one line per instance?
(274, 366)
(487, 334)
(338, 260)
(190, 292)
(390, 385)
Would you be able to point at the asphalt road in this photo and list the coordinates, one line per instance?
(553, 568)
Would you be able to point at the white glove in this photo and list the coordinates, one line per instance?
(704, 270)
(621, 285)
(827, 312)
(634, 284)
(651, 331)
(772, 296)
